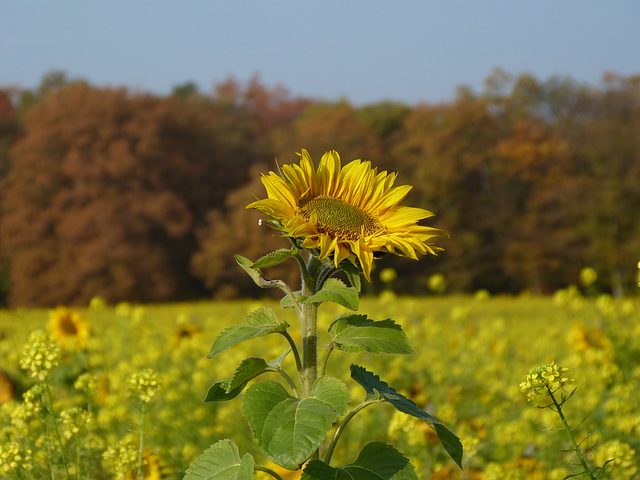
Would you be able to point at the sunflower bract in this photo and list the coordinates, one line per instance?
(346, 213)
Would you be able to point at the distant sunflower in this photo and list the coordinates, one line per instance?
(184, 332)
(6, 388)
(350, 212)
(153, 468)
(68, 328)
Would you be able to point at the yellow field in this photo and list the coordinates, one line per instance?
(473, 353)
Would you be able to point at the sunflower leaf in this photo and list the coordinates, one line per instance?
(286, 302)
(290, 429)
(248, 369)
(357, 333)
(377, 460)
(254, 273)
(259, 323)
(353, 274)
(334, 290)
(273, 258)
(221, 461)
(376, 387)
(218, 392)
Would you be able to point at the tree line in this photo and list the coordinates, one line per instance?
(133, 196)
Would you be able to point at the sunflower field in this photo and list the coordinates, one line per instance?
(83, 390)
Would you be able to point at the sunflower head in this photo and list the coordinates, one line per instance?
(68, 328)
(346, 213)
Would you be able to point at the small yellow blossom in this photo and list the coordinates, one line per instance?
(622, 456)
(388, 275)
(544, 380)
(437, 283)
(12, 458)
(87, 383)
(75, 421)
(588, 276)
(40, 355)
(33, 400)
(144, 385)
(120, 458)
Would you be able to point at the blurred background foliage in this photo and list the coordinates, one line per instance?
(132, 196)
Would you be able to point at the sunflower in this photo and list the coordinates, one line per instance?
(68, 328)
(347, 213)
(6, 388)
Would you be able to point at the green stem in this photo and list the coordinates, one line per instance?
(78, 469)
(309, 324)
(54, 422)
(343, 425)
(309, 345)
(306, 279)
(260, 468)
(141, 446)
(294, 349)
(325, 359)
(558, 406)
(285, 288)
(289, 380)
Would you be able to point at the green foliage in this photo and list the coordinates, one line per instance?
(357, 333)
(289, 429)
(260, 322)
(221, 461)
(273, 258)
(375, 387)
(334, 290)
(291, 426)
(377, 461)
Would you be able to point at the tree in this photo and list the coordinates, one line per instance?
(444, 152)
(106, 189)
(324, 127)
(234, 229)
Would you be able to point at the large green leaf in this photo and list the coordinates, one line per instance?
(334, 290)
(221, 461)
(357, 333)
(260, 322)
(377, 461)
(376, 387)
(273, 258)
(289, 429)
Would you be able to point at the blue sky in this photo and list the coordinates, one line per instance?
(365, 51)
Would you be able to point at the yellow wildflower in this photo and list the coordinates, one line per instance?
(40, 355)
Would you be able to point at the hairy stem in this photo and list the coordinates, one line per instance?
(294, 349)
(309, 324)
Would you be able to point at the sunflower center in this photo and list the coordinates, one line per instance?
(338, 219)
(68, 326)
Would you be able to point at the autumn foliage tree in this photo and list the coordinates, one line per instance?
(106, 188)
(140, 197)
